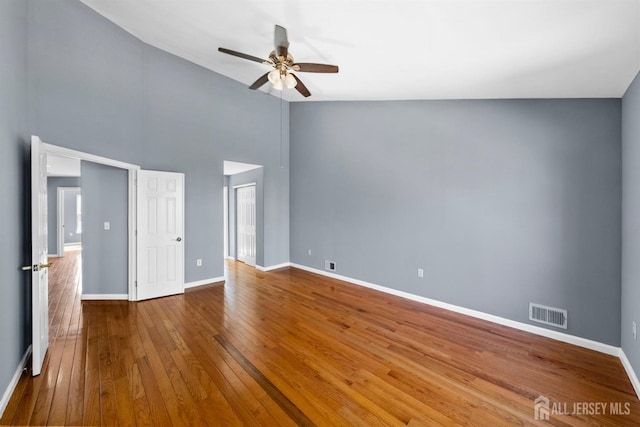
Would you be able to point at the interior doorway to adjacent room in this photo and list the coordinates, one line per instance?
(243, 212)
(64, 205)
(246, 223)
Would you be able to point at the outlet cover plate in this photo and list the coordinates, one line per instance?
(329, 265)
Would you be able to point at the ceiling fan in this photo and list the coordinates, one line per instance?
(282, 62)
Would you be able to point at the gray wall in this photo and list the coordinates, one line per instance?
(15, 299)
(104, 252)
(631, 221)
(97, 89)
(512, 200)
(502, 202)
(257, 176)
(52, 210)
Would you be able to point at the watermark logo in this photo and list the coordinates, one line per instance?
(543, 408)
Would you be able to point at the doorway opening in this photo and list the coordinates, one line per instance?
(64, 205)
(64, 240)
(246, 223)
(39, 265)
(243, 216)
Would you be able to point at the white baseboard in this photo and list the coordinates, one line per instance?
(273, 267)
(571, 339)
(104, 297)
(230, 258)
(14, 381)
(630, 372)
(204, 282)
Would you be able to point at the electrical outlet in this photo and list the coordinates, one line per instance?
(198, 262)
(420, 273)
(329, 265)
(634, 330)
(309, 252)
(107, 225)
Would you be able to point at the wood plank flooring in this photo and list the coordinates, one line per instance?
(291, 348)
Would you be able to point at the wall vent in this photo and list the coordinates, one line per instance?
(548, 315)
(329, 265)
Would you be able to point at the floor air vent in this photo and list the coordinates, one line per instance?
(548, 315)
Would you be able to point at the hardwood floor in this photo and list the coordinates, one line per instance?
(292, 348)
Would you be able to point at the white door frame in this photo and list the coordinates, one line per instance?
(60, 220)
(131, 168)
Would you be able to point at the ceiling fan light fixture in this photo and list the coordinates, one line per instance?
(289, 81)
(274, 76)
(278, 85)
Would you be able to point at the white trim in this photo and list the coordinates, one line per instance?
(132, 226)
(254, 184)
(635, 382)
(14, 381)
(53, 255)
(230, 258)
(67, 152)
(105, 297)
(273, 267)
(559, 336)
(204, 282)
(132, 238)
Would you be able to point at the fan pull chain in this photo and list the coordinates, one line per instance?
(281, 136)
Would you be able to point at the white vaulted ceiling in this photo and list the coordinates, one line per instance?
(398, 49)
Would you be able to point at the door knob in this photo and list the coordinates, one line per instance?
(179, 239)
(36, 267)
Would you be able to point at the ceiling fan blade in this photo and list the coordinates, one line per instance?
(300, 87)
(262, 80)
(309, 67)
(280, 41)
(243, 55)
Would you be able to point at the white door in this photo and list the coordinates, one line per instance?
(160, 234)
(246, 224)
(39, 264)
